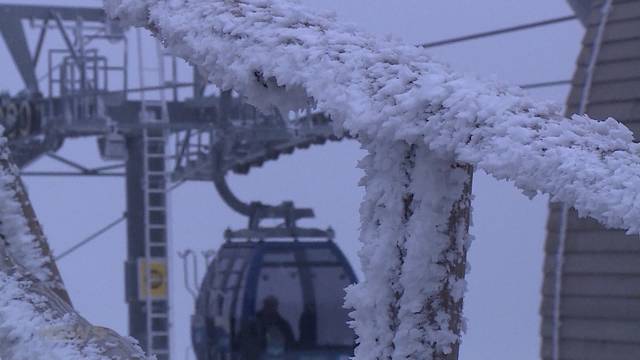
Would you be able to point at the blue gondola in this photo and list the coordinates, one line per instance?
(267, 299)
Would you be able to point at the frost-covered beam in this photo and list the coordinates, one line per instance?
(36, 317)
(396, 100)
(278, 52)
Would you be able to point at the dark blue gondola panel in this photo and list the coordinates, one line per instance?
(330, 276)
(214, 324)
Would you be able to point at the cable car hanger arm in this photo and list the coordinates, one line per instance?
(257, 211)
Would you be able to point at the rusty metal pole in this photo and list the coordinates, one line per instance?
(458, 230)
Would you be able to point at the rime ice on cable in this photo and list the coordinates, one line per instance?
(393, 96)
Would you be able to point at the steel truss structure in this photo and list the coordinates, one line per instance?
(158, 136)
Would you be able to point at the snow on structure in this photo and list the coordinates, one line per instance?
(37, 320)
(386, 182)
(422, 124)
(410, 194)
(384, 91)
(13, 225)
(37, 325)
(27, 332)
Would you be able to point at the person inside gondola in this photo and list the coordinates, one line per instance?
(277, 336)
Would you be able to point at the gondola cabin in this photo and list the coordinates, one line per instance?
(264, 300)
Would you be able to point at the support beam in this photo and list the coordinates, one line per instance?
(68, 162)
(135, 237)
(415, 222)
(456, 258)
(43, 33)
(147, 243)
(433, 258)
(16, 41)
(23, 12)
(67, 40)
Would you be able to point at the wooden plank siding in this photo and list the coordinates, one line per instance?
(593, 350)
(600, 295)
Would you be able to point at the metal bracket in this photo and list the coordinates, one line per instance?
(257, 211)
(191, 288)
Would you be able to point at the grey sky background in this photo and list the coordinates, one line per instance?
(506, 256)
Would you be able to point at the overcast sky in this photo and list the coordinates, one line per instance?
(506, 256)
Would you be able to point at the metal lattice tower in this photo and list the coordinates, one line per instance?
(162, 133)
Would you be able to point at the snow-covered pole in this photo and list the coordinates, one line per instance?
(434, 262)
(456, 259)
(415, 222)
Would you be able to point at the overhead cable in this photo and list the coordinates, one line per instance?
(92, 237)
(546, 84)
(500, 31)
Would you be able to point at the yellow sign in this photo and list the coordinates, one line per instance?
(159, 280)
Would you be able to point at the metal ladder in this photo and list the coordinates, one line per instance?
(154, 290)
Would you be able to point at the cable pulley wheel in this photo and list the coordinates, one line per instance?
(10, 118)
(25, 119)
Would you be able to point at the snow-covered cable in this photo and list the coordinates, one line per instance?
(564, 215)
